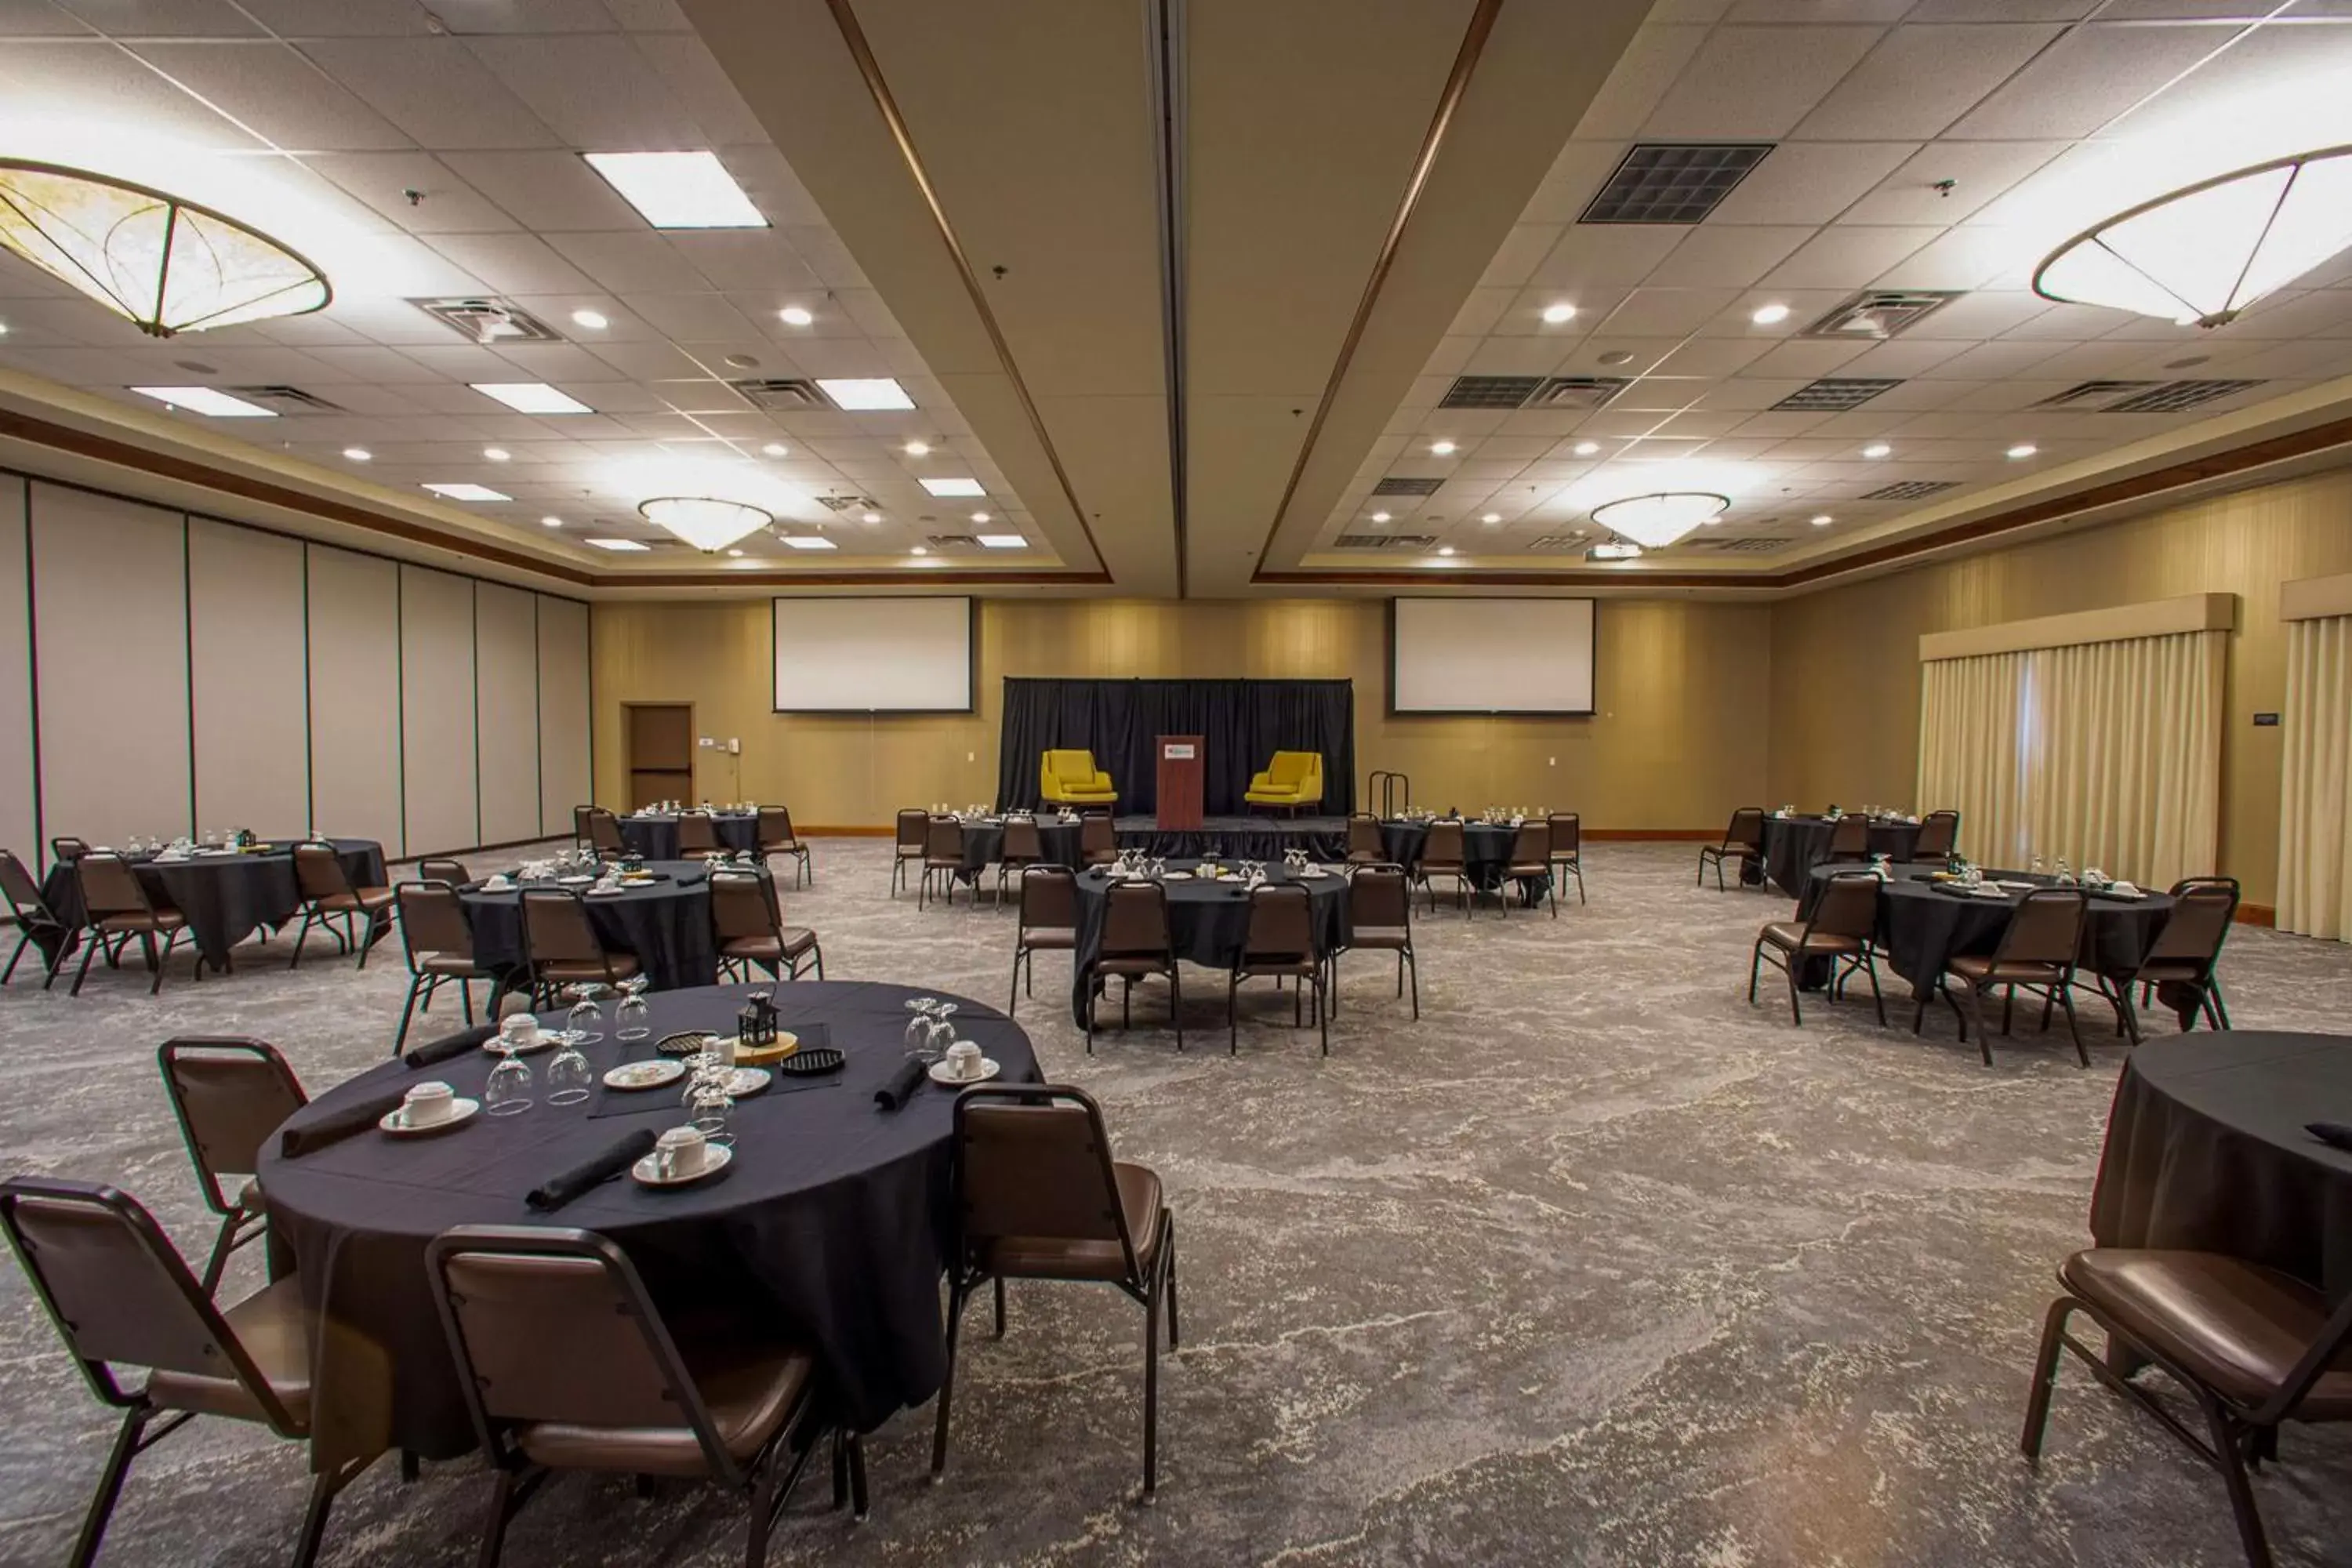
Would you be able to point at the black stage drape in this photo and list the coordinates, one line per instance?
(1242, 723)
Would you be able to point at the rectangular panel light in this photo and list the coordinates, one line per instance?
(530, 397)
(616, 545)
(470, 492)
(678, 190)
(858, 394)
(807, 541)
(944, 488)
(206, 400)
(1005, 541)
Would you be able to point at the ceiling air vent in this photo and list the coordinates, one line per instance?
(850, 503)
(1560, 542)
(1737, 546)
(1580, 392)
(287, 399)
(1911, 489)
(1385, 541)
(489, 321)
(2093, 392)
(2175, 395)
(1880, 312)
(1832, 394)
(779, 396)
(953, 541)
(1669, 181)
(1490, 391)
(1396, 485)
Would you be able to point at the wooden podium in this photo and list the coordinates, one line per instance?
(1181, 761)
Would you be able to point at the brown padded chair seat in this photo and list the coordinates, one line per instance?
(2235, 1326)
(1978, 968)
(274, 1329)
(460, 965)
(161, 919)
(749, 1391)
(624, 964)
(1056, 937)
(797, 940)
(1389, 937)
(1790, 934)
(366, 898)
(1037, 1257)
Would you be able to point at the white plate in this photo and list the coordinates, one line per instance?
(2015, 887)
(1177, 877)
(651, 1074)
(605, 892)
(746, 1081)
(548, 1039)
(575, 881)
(1989, 891)
(940, 1074)
(715, 1157)
(461, 1111)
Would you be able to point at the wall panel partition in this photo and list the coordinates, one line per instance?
(441, 808)
(20, 827)
(505, 712)
(355, 696)
(248, 662)
(564, 779)
(110, 633)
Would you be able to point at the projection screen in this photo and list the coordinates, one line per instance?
(1490, 655)
(873, 655)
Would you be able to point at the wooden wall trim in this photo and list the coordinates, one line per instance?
(2310, 598)
(2157, 618)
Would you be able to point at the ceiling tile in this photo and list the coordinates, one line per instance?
(276, 93)
(1602, 256)
(1655, 57)
(1963, 259)
(1752, 82)
(2002, 10)
(1664, 313)
(1993, 361)
(1715, 256)
(1576, 176)
(1810, 182)
(1847, 255)
(97, 85)
(161, 18)
(1975, 317)
(512, 263)
(1521, 253)
(693, 318)
(1980, 172)
(1920, 79)
(1803, 359)
(524, 16)
(1715, 356)
(759, 259)
(433, 89)
(693, 77)
(641, 261)
(382, 180)
(551, 191)
(594, 90)
(342, 19)
(2086, 78)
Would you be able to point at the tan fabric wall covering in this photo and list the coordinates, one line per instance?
(563, 773)
(505, 710)
(18, 829)
(248, 666)
(355, 696)
(436, 710)
(2314, 876)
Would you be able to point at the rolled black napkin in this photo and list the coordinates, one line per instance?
(333, 1128)
(2335, 1134)
(903, 1085)
(449, 1047)
(589, 1175)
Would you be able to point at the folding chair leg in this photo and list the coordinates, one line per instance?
(1000, 1306)
(314, 1518)
(155, 962)
(2066, 996)
(2045, 1376)
(23, 941)
(1152, 1393)
(408, 1010)
(2229, 1457)
(1878, 999)
(947, 1386)
(88, 950)
(110, 1486)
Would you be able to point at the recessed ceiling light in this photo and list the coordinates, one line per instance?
(857, 394)
(954, 486)
(4, 328)
(734, 556)
(206, 400)
(1491, 517)
(1555, 314)
(1446, 550)
(807, 541)
(918, 549)
(918, 449)
(1877, 449)
(2023, 449)
(530, 397)
(777, 449)
(1769, 315)
(1442, 448)
(1586, 448)
(618, 544)
(470, 492)
(979, 517)
(1823, 520)
(678, 190)
(497, 454)
(1002, 540)
(358, 454)
(594, 320)
(1380, 516)
(550, 523)
(871, 517)
(793, 316)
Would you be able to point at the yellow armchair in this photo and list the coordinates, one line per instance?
(1293, 779)
(1071, 778)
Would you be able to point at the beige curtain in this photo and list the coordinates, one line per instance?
(2107, 754)
(2314, 881)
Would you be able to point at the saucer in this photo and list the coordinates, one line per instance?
(651, 1074)
(748, 1081)
(396, 1124)
(575, 881)
(548, 1039)
(940, 1074)
(1176, 877)
(715, 1158)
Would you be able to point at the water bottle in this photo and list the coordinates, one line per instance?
(2065, 876)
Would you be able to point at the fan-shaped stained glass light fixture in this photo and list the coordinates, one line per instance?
(168, 265)
(704, 521)
(2207, 252)
(1656, 520)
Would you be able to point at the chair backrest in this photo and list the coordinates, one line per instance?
(1850, 834)
(1049, 898)
(1747, 829)
(556, 928)
(1848, 906)
(1444, 847)
(432, 920)
(1939, 831)
(1074, 766)
(1531, 843)
(1281, 923)
(230, 1093)
(697, 834)
(110, 887)
(1377, 898)
(580, 816)
(319, 872)
(605, 832)
(66, 851)
(1022, 840)
(1364, 835)
(1033, 1162)
(943, 842)
(444, 870)
(2202, 913)
(2046, 929)
(775, 828)
(1096, 836)
(1135, 920)
(526, 1309)
(23, 894)
(117, 1292)
(1567, 828)
(740, 905)
(914, 825)
(1295, 767)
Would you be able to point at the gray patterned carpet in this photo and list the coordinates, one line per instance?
(1594, 1264)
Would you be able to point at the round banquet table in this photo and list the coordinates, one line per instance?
(984, 842)
(667, 924)
(833, 1215)
(226, 896)
(2206, 1151)
(1485, 850)
(654, 837)
(1793, 845)
(1207, 922)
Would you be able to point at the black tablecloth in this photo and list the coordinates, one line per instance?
(1793, 845)
(2206, 1151)
(984, 842)
(655, 837)
(1236, 838)
(1921, 929)
(665, 924)
(227, 898)
(834, 1215)
(1485, 850)
(1206, 920)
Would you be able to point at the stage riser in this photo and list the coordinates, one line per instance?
(1239, 838)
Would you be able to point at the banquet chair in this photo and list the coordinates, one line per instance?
(914, 828)
(1136, 941)
(2254, 1347)
(66, 851)
(1036, 1196)
(1071, 778)
(581, 836)
(1939, 834)
(37, 924)
(1850, 838)
(1743, 841)
(721, 1396)
(444, 870)
(1292, 779)
(1567, 854)
(328, 894)
(1364, 844)
(750, 928)
(560, 946)
(2037, 951)
(1530, 860)
(1445, 853)
(1841, 929)
(775, 836)
(1049, 923)
(1097, 840)
(118, 1295)
(604, 834)
(438, 940)
(1380, 919)
(943, 860)
(1023, 846)
(229, 1093)
(697, 834)
(2180, 961)
(115, 905)
(1279, 940)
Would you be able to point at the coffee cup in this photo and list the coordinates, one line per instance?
(428, 1104)
(680, 1151)
(519, 1030)
(964, 1059)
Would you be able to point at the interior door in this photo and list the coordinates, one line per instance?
(661, 751)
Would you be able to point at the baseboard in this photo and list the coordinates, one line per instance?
(2257, 915)
(821, 832)
(1656, 835)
